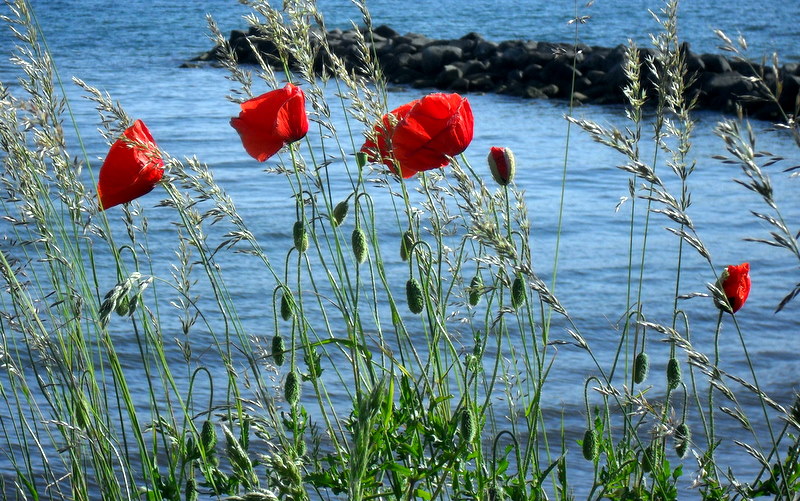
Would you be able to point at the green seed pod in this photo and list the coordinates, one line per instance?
(287, 302)
(475, 290)
(673, 373)
(122, 306)
(641, 365)
(590, 445)
(683, 435)
(359, 241)
(518, 292)
(300, 236)
(361, 159)
(278, 350)
(416, 302)
(651, 459)
(208, 437)
(406, 244)
(191, 493)
(469, 425)
(340, 212)
(291, 388)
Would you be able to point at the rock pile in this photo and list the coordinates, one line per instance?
(531, 69)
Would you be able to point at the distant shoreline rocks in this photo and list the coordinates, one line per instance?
(530, 69)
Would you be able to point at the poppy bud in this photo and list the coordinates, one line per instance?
(651, 459)
(673, 373)
(340, 212)
(208, 437)
(287, 303)
(191, 489)
(278, 349)
(502, 164)
(361, 159)
(590, 446)
(735, 283)
(121, 307)
(641, 365)
(406, 244)
(475, 290)
(683, 436)
(359, 241)
(300, 236)
(416, 302)
(291, 388)
(468, 426)
(518, 292)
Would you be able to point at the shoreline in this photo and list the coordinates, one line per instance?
(539, 70)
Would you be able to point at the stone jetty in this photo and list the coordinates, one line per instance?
(531, 69)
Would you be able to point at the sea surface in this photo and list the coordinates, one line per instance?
(133, 50)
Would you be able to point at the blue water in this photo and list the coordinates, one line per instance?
(134, 52)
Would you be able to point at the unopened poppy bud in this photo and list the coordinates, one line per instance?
(475, 290)
(208, 437)
(406, 244)
(502, 165)
(673, 373)
(359, 241)
(300, 236)
(468, 425)
(340, 212)
(287, 304)
(683, 436)
(590, 446)
(122, 306)
(414, 296)
(278, 349)
(651, 459)
(641, 365)
(518, 292)
(361, 159)
(291, 388)
(191, 489)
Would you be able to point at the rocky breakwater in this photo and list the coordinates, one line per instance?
(530, 69)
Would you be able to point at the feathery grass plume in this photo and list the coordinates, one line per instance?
(475, 290)
(683, 438)
(518, 292)
(300, 236)
(359, 243)
(414, 296)
(278, 349)
(291, 387)
(340, 212)
(406, 244)
(641, 366)
(673, 373)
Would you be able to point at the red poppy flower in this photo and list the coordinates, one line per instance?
(735, 281)
(131, 169)
(502, 164)
(270, 121)
(421, 135)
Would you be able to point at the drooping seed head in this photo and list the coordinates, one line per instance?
(340, 212)
(518, 292)
(641, 366)
(359, 241)
(278, 350)
(590, 446)
(300, 236)
(416, 301)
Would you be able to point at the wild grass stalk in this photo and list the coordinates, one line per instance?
(397, 356)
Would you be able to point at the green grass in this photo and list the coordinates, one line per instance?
(438, 405)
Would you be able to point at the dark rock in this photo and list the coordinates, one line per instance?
(385, 31)
(715, 63)
(449, 74)
(434, 57)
